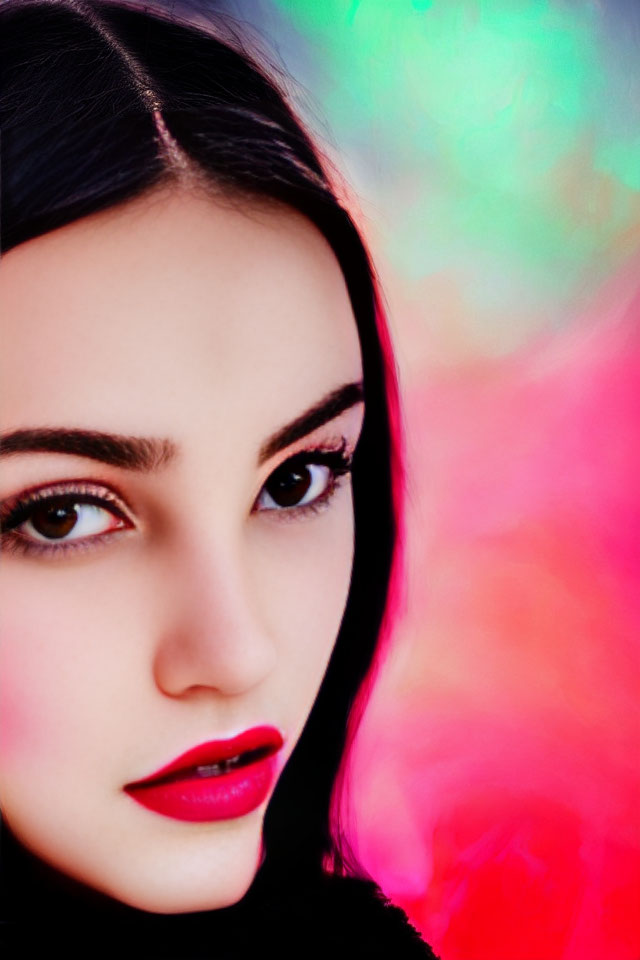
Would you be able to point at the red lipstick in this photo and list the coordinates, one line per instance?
(217, 780)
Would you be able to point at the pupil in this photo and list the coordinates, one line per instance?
(290, 486)
(55, 520)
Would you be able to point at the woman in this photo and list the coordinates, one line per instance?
(193, 367)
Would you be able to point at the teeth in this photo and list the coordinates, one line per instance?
(217, 769)
(210, 770)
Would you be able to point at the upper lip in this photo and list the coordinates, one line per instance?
(261, 738)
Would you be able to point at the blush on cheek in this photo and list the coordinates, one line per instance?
(21, 718)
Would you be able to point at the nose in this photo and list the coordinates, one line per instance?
(213, 636)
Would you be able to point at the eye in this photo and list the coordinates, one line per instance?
(61, 518)
(305, 481)
(294, 486)
(47, 521)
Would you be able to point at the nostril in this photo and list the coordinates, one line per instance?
(230, 663)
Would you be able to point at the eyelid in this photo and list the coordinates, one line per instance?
(336, 453)
(335, 443)
(89, 488)
(16, 510)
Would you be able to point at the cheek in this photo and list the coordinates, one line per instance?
(18, 723)
(50, 665)
(304, 574)
(32, 690)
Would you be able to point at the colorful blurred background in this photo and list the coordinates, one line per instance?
(490, 150)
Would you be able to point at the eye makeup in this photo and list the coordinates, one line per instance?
(20, 510)
(333, 455)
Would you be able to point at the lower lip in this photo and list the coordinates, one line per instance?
(203, 799)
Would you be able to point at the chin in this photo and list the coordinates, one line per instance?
(175, 899)
(209, 883)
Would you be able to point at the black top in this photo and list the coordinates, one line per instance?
(43, 913)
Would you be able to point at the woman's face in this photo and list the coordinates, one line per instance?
(183, 583)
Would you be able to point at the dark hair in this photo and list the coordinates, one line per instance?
(101, 102)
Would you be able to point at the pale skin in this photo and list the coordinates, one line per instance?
(211, 326)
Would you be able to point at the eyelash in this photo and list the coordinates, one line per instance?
(18, 510)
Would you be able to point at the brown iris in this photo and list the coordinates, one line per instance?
(289, 485)
(54, 519)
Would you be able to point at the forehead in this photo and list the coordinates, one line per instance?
(171, 313)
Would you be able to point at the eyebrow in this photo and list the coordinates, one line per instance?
(316, 416)
(131, 453)
(146, 454)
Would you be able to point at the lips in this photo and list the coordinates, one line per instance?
(217, 780)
